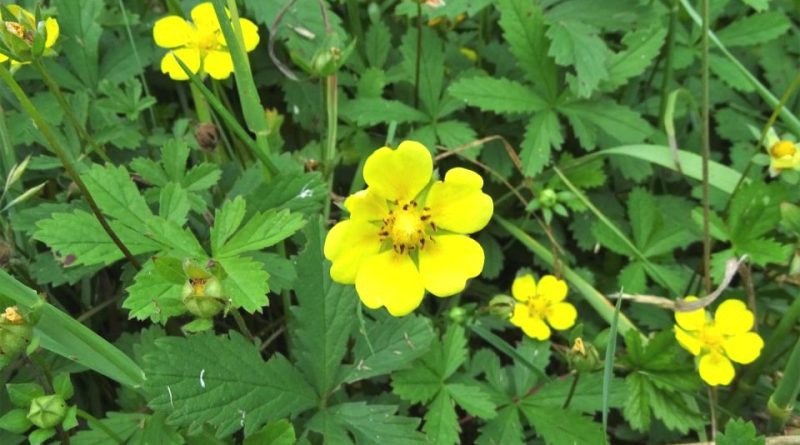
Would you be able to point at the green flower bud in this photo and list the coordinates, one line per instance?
(47, 411)
(194, 271)
(583, 357)
(458, 314)
(548, 198)
(502, 306)
(203, 297)
(15, 333)
(326, 61)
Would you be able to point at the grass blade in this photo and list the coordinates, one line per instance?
(608, 364)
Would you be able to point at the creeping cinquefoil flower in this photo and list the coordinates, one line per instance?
(18, 36)
(541, 304)
(784, 154)
(407, 234)
(719, 340)
(199, 44)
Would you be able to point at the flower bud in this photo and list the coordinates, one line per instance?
(548, 198)
(47, 411)
(202, 297)
(583, 357)
(458, 314)
(207, 136)
(326, 61)
(15, 333)
(502, 306)
(783, 148)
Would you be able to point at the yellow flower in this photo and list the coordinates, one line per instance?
(783, 154)
(25, 28)
(199, 44)
(406, 234)
(719, 341)
(541, 304)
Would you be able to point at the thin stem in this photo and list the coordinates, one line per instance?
(419, 54)
(138, 60)
(8, 157)
(706, 141)
(56, 148)
(669, 48)
(329, 155)
(200, 105)
(712, 406)
(52, 85)
(572, 388)
(781, 402)
(241, 324)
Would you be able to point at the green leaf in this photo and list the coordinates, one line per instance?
(377, 424)
(739, 432)
(416, 384)
(371, 111)
(201, 177)
(377, 44)
(642, 47)
(427, 61)
(579, 45)
(617, 121)
(15, 421)
(497, 94)
(21, 394)
(505, 429)
(245, 283)
(324, 317)
(637, 405)
(174, 203)
(454, 350)
(303, 193)
(262, 230)
(80, 37)
(542, 132)
(227, 219)
(174, 155)
(173, 237)
(563, 427)
(472, 399)
(224, 382)
(677, 411)
(388, 345)
(758, 5)
(523, 25)
(441, 422)
(152, 296)
(280, 432)
(587, 398)
(755, 29)
(117, 195)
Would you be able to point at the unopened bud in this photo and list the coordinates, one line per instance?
(15, 333)
(47, 411)
(502, 306)
(458, 314)
(583, 357)
(202, 297)
(548, 198)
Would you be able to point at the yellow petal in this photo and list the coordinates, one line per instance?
(688, 341)
(391, 280)
(448, 261)
(249, 34)
(732, 317)
(561, 316)
(743, 348)
(716, 369)
(533, 327)
(204, 17)
(366, 205)
(3, 57)
(22, 15)
(189, 56)
(399, 174)
(523, 288)
(53, 30)
(552, 289)
(692, 320)
(171, 32)
(347, 245)
(458, 204)
(218, 64)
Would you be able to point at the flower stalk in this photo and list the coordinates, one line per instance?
(781, 402)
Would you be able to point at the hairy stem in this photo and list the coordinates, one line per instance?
(706, 142)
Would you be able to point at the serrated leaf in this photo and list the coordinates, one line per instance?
(377, 424)
(296, 192)
(417, 384)
(579, 45)
(262, 230)
(755, 29)
(201, 177)
(371, 111)
(377, 44)
(275, 433)
(152, 296)
(441, 422)
(174, 154)
(472, 399)
(116, 194)
(224, 382)
(637, 405)
(324, 317)
(227, 219)
(523, 25)
(642, 47)
(497, 94)
(454, 350)
(173, 204)
(541, 133)
(505, 429)
(563, 427)
(425, 61)
(173, 237)
(587, 396)
(245, 283)
(619, 122)
(739, 432)
(675, 410)
(758, 5)
(394, 343)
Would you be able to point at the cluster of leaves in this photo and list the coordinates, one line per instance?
(573, 112)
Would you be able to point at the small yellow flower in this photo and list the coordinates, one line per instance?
(406, 234)
(25, 28)
(719, 340)
(199, 44)
(541, 304)
(783, 153)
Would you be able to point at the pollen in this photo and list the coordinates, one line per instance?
(19, 31)
(205, 41)
(199, 287)
(782, 149)
(407, 226)
(12, 315)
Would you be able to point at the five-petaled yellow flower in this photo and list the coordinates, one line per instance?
(783, 153)
(199, 44)
(720, 340)
(541, 304)
(25, 28)
(407, 234)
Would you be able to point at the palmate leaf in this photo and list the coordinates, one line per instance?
(542, 132)
(523, 26)
(579, 45)
(245, 283)
(116, 194)
(377, 424)
(370, 111)
(642, 47)
(324, 318)
(222, 381)
(262, 230)
(505, 429)
(441, 421)
(497, 94)
(740, 432)
(562, 426)
(431, 68)
(153, 296)
(755, 29)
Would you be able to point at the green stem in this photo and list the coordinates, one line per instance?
(329, 154)
(354, 16)
(571, 390)
(200, 105)
(419, 55)
(669, 48)
(56, 148)
(706, 141)
(590, 294)
(781, 402)
(242, 325)
(52, 85)
(146, 87)
(8, 158)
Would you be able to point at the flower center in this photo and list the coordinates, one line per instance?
(783, 148)
(537, 306)
(205, 40)
(711, 337)
(199, 287)
(19, 31)
(406, 226)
